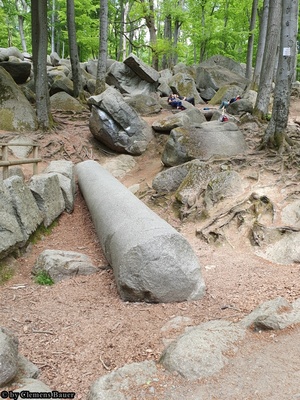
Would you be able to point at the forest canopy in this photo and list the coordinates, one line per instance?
(187, 31)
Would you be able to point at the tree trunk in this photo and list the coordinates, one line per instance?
(21, 7)
(166, 62)
(261, 44)
(251, 40)
(102, 58)
(275, 136)
(150, 22)
(53, 26)
(39, 56)
(269, 59)
(76, 73)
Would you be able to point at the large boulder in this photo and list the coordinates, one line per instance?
(225, 62)
(217, 72)
(48, 196)
(170, 179)
(66, 176)
(123, 78)
(62, 83)
(61, 264)
(5, 53)
(117, 125)
(225, 93)
(19, 71)
(25, 208)
(144, 104)
(11, 235)
(64, 101)
(240, 106)
(8, 355)
(141, 69)
(16, 113)
(184, 85)
(192, 116)
(114, 385)
(203, 350)
(209, 139)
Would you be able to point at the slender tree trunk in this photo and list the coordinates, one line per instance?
(251, 40)
(177, 25)
(203, 41)
(76, 72)
(102, 58)
(21, 7)
(53, 27)
(124, 43)
(261, 44)
(269, 59)
(275, 136)
(150, 22)
(39, 56)
(166, 62)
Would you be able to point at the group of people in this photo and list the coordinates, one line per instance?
(175, 101)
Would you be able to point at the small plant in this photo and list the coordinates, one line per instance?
(268, 117)
(43, 278)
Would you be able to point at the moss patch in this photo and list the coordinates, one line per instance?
(6, 272)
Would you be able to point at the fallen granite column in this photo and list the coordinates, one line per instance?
(151, 261)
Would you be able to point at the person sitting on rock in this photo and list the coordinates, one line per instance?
(226, 103)
(175, 101)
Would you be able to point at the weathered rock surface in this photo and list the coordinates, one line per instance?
(48, 196)
(19, 71)
(16, 113)
(209, 139)
(274, 314)
(141, 69)
(61, 264)
(184, 85)
(66, 176)
(144, 104)
(191, 116)
(8, 355)
(200, 352)
(25, 208)
(114, 385)
(124, 79)
(120, 165)
(117, 125)
(64, 101)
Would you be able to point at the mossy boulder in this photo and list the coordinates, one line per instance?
(16, 113)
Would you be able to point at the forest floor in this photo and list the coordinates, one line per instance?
(79, 329)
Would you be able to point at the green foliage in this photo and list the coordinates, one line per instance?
(43, 278)
(298, 67)
(41, 232)
(207, 27)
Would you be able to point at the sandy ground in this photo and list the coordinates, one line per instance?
(79, 329)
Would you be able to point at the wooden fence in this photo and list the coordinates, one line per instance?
(5, 162)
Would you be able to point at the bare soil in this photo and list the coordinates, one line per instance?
(79, 329)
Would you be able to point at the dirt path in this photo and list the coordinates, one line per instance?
(79, 329)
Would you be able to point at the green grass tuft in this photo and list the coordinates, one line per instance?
(43, 278)
(41, 232)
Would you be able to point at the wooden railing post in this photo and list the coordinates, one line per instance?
(5, 158)
(5, 163)
(35, 156)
